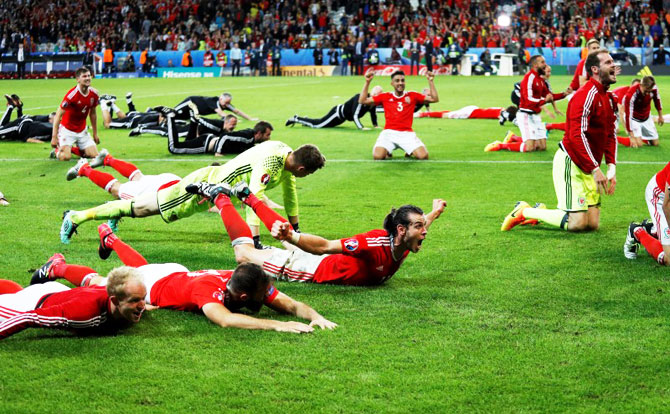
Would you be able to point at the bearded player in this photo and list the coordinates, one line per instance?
(363, 260)
(399, 112)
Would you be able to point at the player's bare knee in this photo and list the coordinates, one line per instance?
(578, 222)
(64, 156)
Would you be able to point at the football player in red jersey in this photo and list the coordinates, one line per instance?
(362, 260)
(637, 108)
(96, 309)
(218, 294)
(69, 132)
(399, 112)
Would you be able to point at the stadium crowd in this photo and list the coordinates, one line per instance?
(48, 26)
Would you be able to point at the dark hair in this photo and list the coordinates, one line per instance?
(262, 126)
(636, 80)
(593, 60)
(310, 157)
(648, 82)
(396, 73)
(533, 59)
(399, 216)
(80, 71)
(511, 112)
(249, 278)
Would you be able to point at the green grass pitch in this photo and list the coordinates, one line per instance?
(533, 320)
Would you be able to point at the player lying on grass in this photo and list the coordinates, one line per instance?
(209, 105)
(27, 128)
(95, 309)
(131, 119)
(352, 110)
(266, 166)
(590, 135)
(204, 125)
(225, 142)
(218, 294)
(654, 235)
(470, 112)
(365, 259)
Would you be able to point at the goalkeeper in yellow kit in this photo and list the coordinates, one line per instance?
(264, 166)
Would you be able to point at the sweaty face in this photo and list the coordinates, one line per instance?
(416, 233)
(398, 83)
(84, 79)
(607, 69)
(133, 305)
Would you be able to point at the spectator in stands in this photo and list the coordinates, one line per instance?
(659, 55)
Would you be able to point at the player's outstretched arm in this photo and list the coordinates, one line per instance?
(221, 316)
(432, 96)
(307, 242)
(438, 208)
(243, 115)
(285, 304)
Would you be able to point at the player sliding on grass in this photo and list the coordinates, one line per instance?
(266, 166)
(218, 294)
(365, 259)
(95, 309)
(590, 134)
(654, 235)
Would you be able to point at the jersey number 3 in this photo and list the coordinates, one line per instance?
(400, 107)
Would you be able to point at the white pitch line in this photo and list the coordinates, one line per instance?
(182, 93)
(350, 161)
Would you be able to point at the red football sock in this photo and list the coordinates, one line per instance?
(515, 138)
(650, 243)
(125, 168)
(485, 113)
(99, 178)
(513, 146)
(236, 227)
(267, 215)
(76, 151)
(9, 286)
(128, 255)
(74, 274)
(434, 114)
(560, 125)
(625, 141)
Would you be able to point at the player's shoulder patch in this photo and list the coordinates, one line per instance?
(351, 244)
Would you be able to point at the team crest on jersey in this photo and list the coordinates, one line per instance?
(265, 179)
(667, 232)
(218, 295)
(91, 102)
(581, 201)
(64, 105)
(351, 244)
(406, 99)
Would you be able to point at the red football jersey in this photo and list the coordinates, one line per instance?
(399, 111)
(620, 93)
(79, 308)
(366, 259)
(638, 105)
(663, 176)
(579, 71)
(190, 291)
(77, 107)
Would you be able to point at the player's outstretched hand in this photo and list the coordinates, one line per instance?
(365, 129)
(323, 323)
(294, 327)
(149, 307)
(430, 76)
(369, 75)
(661, 121)
(281, 230)
(438, 206)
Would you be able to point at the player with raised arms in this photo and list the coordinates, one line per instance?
(399, 113)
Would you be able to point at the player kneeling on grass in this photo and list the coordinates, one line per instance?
(365, 259)
(218, 294)
(654, 235)
(637, 106)
(95, 309)
(590, 135)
